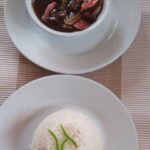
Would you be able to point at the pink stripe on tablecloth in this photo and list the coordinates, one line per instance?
(136, 79)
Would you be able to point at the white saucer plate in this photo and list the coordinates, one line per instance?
(26, 108)
(38, 45)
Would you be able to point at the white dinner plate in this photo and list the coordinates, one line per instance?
(23, 111)
(38, 46)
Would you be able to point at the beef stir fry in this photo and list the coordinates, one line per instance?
(68, 15)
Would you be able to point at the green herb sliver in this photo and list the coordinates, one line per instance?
(63, 144)
(55, 138)
(68, 137)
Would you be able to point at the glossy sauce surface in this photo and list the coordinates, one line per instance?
(68, 15)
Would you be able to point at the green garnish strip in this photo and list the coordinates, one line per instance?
(55, 138)
(67, 138)
(63, 144)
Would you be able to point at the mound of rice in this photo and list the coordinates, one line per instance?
(78, 127)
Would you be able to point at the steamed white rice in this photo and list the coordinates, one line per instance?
(77, 125)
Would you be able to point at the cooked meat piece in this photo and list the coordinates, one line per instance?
(48, 11)
(81, 25)
(88, 4)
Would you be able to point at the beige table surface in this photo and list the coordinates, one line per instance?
(128, 77)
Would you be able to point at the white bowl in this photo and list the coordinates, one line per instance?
(81, 41)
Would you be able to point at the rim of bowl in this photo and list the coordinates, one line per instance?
(44, 27)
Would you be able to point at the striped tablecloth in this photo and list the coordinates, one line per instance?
(128, 77)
